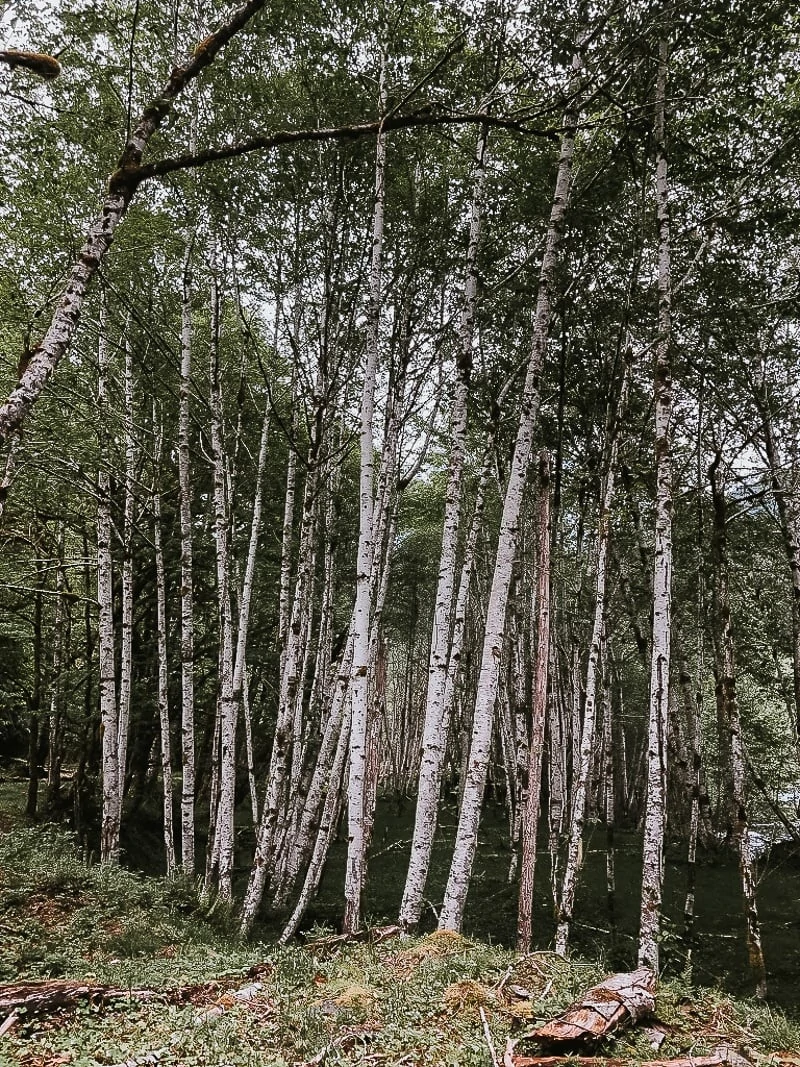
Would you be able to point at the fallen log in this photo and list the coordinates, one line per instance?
(47, 995)
(620, 1000)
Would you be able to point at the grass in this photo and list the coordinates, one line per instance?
(406, 1002)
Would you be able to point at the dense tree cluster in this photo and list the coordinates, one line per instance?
(430, 424)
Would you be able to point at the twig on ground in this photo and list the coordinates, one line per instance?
(487, 1033)
(8, 1022)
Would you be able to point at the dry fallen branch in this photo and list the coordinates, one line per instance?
(374, 936)
(717, 1059)
(43, 996)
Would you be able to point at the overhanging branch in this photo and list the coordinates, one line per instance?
(423, 117)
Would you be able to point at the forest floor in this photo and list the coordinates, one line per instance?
(187, 992)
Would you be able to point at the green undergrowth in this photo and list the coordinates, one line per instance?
(435, 1000)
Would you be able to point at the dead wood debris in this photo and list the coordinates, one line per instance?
(722, 1056)
(621, 1000)
(49, 995)
(42, 996)
(375, 935)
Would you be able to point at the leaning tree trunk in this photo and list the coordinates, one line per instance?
(292, 656)
(434, 736)
(655, 811)
(452, 912)
(728, 703)
(122, 187)
(241, 696)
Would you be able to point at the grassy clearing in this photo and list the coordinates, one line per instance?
(410, 1002)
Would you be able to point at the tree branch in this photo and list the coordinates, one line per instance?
(423, 117)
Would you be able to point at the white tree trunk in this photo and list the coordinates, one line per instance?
(434, 736)
(452, 912)
(274, 804)
(187, 582)
(126, 652)
(362, 617)
(161, 639)
(327, 827)
(530, 821)
(582, 773)
(240, 674)
(109, 713)
(655, 810)
(228, 711)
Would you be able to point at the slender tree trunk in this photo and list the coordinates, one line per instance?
(434, 735)
(163, 666)
(557, 772)
(109, 729)
(581, 773)
(187, 581)
(35, 707)
(129, 519)
(655, 812)
(362, 618)
(729, 713)
(248, 740)
(274, 804)
(609, 809)
(228, 711)
(791, 545)
(530, 823)
(327, 828)
(240, 672)
(452, 912)
(61, 641)
(284, 595)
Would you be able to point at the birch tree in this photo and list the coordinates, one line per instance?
(434, 735)
(161, 641)
(452, 912)
(581, 773)
(362, 613)
(532, 792)
(223, 844)
(655, 813)
(186, 575)
(109, 712)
